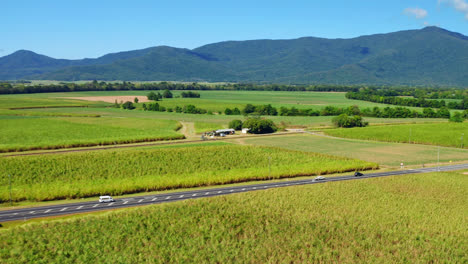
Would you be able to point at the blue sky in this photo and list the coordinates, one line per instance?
(85, 28)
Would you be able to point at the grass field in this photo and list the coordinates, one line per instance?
(116, 172)
(18, 134)
(383, 153)
(404, 219)
(449, 134)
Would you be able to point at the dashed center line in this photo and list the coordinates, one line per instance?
(110, 204)
(169, 197)
(207, 193)
(125, 202)
(243, 189)
(220, 191)
(154, 199)
(181, 196)
(95, 205)
(194, 194)
(63, 209)
(32, 212)
(79, 207)
(48, 211)
(231, 190)
(141, 200)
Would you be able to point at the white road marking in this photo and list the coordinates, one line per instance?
(95, 205)
(254, 188)
(140, 200)
(15, 213)
(125, 202)
(220, 191)
(63, 209)
(32, 212)
(154, 199)
(181, 196)
(168, 197)
(48, 211)
(243, 189)
(79, 207)
(194, 194)
(207, 193)
(231, 190)
(110, 204)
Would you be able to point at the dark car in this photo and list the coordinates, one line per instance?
(357, 174)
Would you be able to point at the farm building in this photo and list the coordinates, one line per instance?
(224, 132)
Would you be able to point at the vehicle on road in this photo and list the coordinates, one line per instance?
(319, 178)
(357, 174)
(106, 199)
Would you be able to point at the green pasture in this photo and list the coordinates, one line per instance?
(417, 218)
(116, 172)
(383, 153)
(448, 134)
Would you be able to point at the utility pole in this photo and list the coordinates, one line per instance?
(9, 181)
(269, 167)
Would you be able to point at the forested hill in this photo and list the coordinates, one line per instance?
(430, 56)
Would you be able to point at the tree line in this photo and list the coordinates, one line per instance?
(380, 112)
(416, 99)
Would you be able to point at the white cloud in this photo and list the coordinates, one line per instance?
(459, 5)
(416, 12)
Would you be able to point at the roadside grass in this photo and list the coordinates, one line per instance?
(19, 134)
(448, 134)
(383, 153)
(412, 218)
(86, 174)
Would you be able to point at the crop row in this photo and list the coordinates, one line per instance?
(76, 175)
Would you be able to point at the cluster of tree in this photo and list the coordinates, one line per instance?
(394, 97)
(127, 105)
(344, 120)
(255, 125)
(386, 112)
(190, 94)
(154, 96)
(187, 109)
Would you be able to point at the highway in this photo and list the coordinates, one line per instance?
(82, 207)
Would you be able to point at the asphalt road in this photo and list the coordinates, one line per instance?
(73, 208)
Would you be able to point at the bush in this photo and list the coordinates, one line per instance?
(344, 120)
(128, 105)
(235, 124)
(457, 118)
(167, 94)
(260, 126)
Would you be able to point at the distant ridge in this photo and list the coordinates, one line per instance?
(429, 56)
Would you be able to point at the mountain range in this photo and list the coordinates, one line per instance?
(429, 56)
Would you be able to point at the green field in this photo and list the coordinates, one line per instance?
(403, 219)
(85, 174)
(18, 134)
(86, 123)
(449, 134)
(383, 153)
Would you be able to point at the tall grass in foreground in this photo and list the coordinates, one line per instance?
(443, 134)
(76, 175)
(402, 219)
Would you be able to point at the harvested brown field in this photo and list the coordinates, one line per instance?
(111, 99)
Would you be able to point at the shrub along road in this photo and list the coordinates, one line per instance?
(73, 208)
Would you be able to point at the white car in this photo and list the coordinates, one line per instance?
(106, 199)
(319, 178)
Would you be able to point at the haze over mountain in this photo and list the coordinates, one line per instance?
(430, 56)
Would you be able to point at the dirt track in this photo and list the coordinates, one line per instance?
(111, 99)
